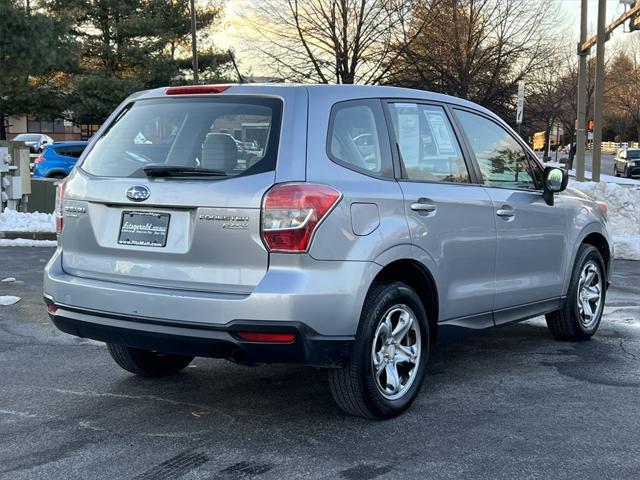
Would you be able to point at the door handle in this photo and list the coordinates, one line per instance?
(506, 212)
(423, 207)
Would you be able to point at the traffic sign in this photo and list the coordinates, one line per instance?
(520, 103)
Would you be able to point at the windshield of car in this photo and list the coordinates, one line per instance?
(633, 154)
(25, 137)
(232, 135)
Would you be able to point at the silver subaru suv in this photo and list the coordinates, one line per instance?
(345, 227)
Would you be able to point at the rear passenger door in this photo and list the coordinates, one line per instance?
(531, 255)
(450, 216)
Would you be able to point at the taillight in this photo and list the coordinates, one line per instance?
(196, 89)
(60, 207)
(292, 212)
(38, 160)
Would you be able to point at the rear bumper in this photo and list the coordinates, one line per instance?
(320, 302)
(308, 347)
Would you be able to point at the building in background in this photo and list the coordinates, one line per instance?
(58, 129)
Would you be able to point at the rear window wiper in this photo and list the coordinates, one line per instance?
(181, 171)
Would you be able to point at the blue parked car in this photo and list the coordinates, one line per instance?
(58, 159)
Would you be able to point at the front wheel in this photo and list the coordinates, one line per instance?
(389, 356)
(147, 363)
(580, 315)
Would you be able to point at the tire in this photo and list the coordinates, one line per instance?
(569, 322)
(615, 170)
(626, 173)
(57, 176)
(146, 363)
(356, 388)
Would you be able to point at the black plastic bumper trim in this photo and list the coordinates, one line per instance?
(309, 347)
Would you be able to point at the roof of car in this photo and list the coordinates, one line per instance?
(331, 92)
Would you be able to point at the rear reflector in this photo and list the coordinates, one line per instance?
(196, 89)
(38, 160)
(267, 337)
(52, 309)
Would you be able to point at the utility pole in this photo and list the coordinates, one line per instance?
(581, 133)
(603, 33)
(599, 93)
(194, 42)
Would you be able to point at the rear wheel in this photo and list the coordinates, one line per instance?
(389, 357)
(147, 363)
(580, 315)
(57, 176)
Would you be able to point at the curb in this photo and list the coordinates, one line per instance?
(28, 235)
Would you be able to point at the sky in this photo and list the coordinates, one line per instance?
(568, 21)
(571, 11)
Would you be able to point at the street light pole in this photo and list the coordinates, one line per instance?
(598, 93)
(194, 42)
(581, 136)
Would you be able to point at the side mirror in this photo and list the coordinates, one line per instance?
(555, 180)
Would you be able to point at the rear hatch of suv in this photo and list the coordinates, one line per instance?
(170, 194)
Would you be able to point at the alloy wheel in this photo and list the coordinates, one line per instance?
(589, 296)
(395, 352)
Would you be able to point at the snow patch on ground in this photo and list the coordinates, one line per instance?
(624, 214)
(8, 280)
(26, 242)
(8, 299)
(12, 221)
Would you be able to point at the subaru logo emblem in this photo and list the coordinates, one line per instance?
(138, 193)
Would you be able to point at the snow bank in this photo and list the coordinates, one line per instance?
(12, 221)
(624, 214)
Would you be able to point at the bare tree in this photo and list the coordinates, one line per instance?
(478, 49)
(331, 41)
(623, 94)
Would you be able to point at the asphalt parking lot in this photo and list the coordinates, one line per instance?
(513, 403)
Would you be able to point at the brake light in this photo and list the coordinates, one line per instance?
(59, 211)
(196, 89)
(292, 212)
(267, 337)
(38, 160)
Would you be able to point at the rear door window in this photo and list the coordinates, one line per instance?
(236, 136)
(428, 147)
(70, 151)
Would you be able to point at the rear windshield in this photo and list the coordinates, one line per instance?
(237, 136)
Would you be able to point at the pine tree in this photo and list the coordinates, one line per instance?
(35, 53)
(128, 45)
